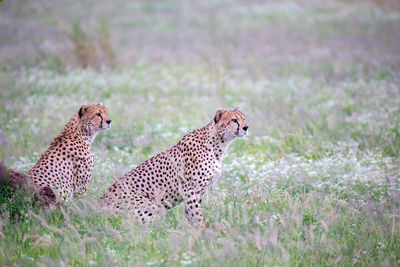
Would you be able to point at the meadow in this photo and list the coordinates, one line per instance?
(315, 183)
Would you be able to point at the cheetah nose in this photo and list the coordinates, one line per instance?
(108, 121)
(245, 128)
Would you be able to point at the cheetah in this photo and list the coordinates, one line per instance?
(180, 174)
(65, 168)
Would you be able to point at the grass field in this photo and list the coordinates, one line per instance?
(317, 181)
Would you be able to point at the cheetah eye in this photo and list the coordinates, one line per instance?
(98, 114)
(235, 120)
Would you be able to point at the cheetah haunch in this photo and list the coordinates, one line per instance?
(181, 174)
(65, 169)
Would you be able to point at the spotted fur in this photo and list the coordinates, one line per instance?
(181, 174)
(65, 168)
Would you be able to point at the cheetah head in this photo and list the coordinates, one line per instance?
(230, 123)
(94, 117)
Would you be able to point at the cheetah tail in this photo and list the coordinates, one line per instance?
(13, 178)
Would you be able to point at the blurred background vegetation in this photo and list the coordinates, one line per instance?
(317, 180)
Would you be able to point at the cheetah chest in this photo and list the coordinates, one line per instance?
(215, 172)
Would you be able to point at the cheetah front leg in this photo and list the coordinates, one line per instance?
(192, 209)
(83, 170)
(81, 185)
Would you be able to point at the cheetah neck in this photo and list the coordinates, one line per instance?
(73, 127)
(218, 143)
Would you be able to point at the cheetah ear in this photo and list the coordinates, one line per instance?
(82, 110)
(218, 114)
(237, 109)
(100, 104)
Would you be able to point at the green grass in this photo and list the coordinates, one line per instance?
(316, 183)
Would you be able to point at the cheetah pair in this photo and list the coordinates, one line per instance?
(180, 174)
